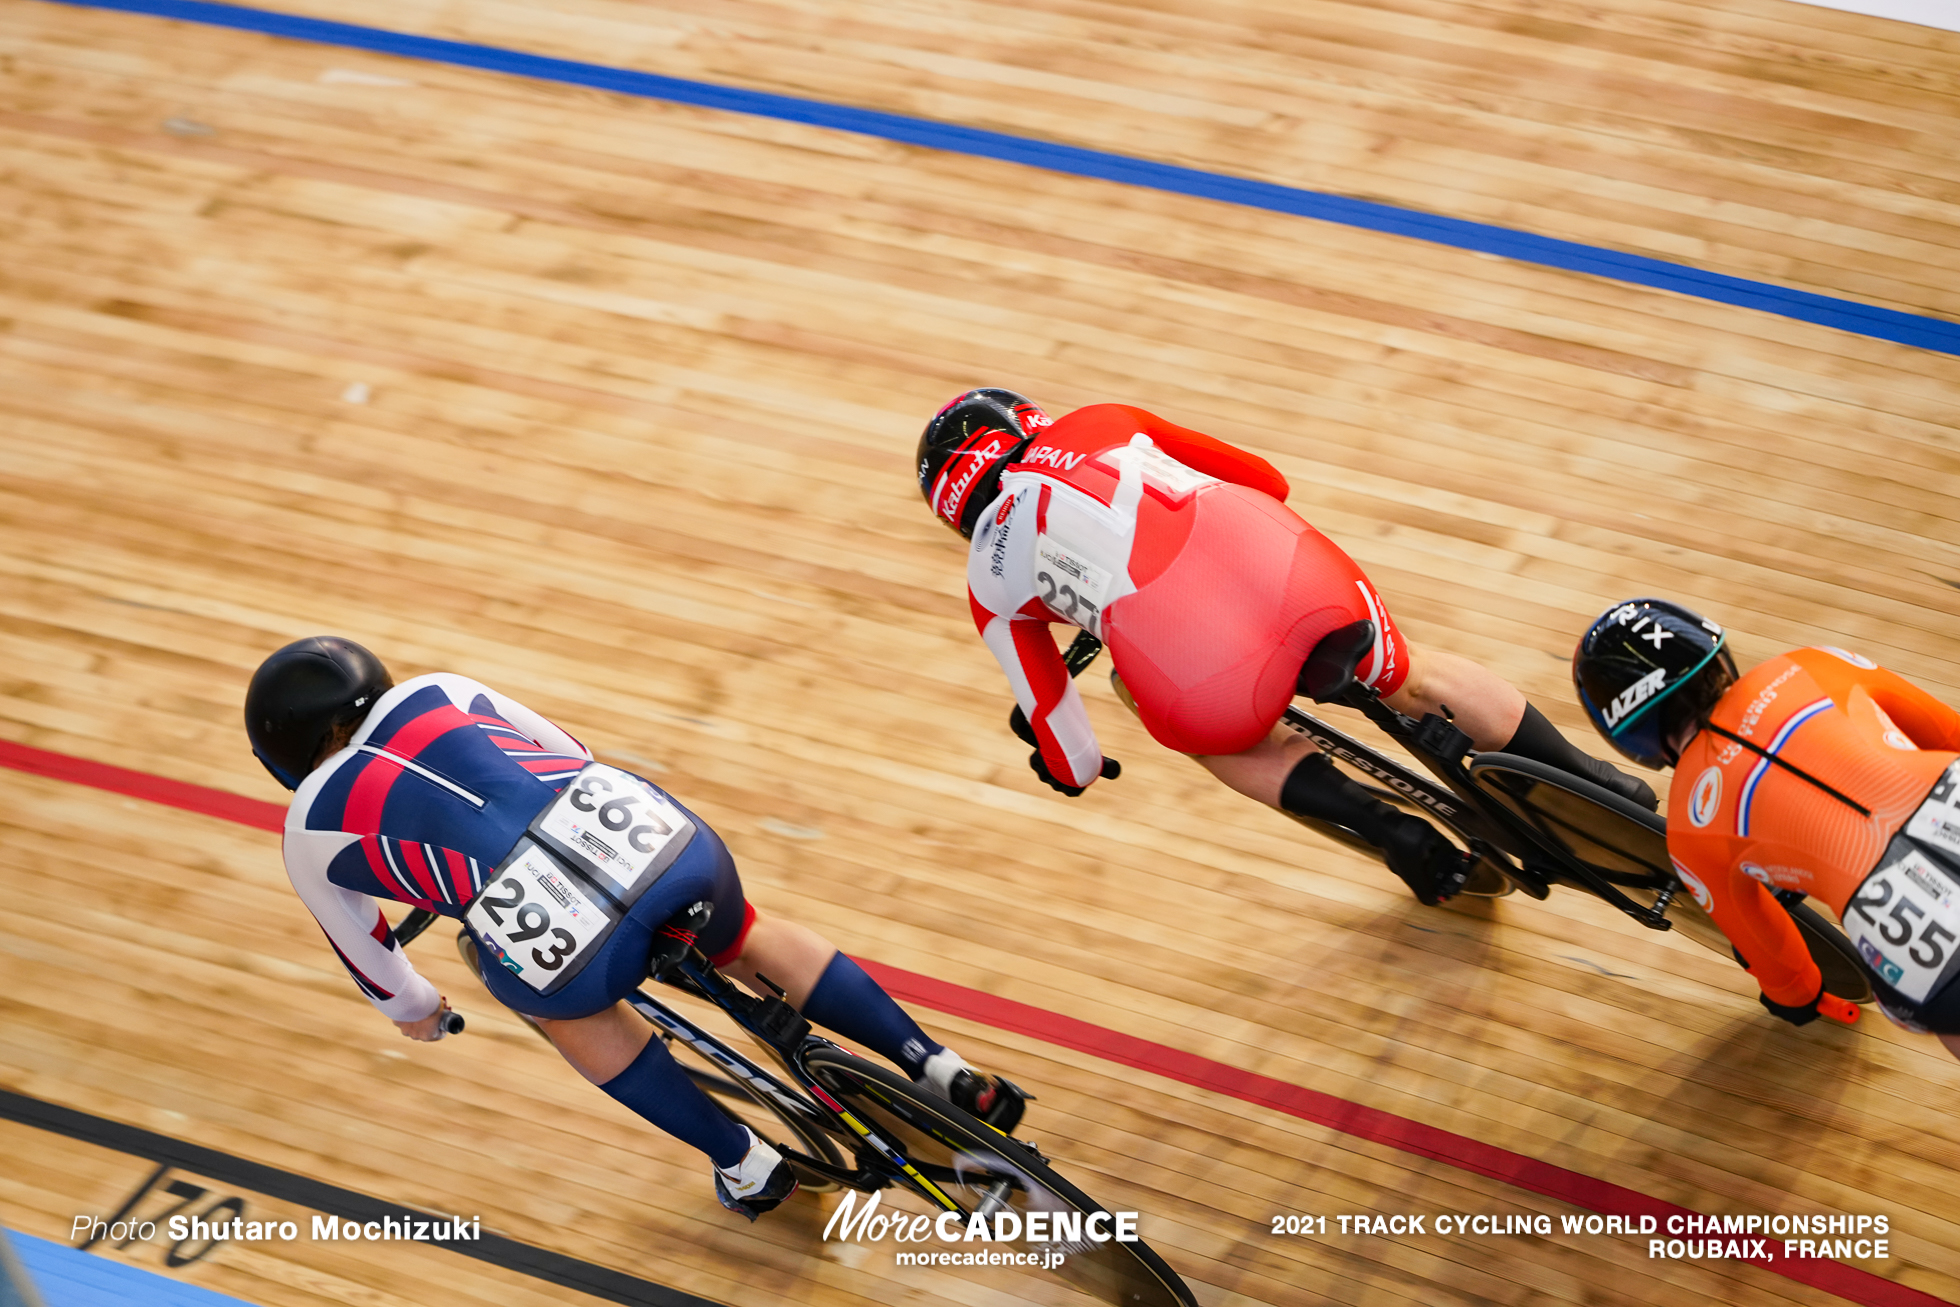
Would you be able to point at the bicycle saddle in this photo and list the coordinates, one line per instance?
(1328, 672)
(672, 941)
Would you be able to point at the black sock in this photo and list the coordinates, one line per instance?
(1536, 738)
(1315, 789)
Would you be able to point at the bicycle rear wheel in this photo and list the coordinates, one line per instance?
(1627, 845)
(970, 1166)
(1619, 839)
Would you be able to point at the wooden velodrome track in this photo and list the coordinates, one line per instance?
(610, 402)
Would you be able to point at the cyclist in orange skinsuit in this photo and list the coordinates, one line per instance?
(1820, 772)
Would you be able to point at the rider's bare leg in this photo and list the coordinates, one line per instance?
(833, 991)
(792, 955)
(602, 1045)
(1491, 711)
(615, 1050)
(1488, 709)
(1285, 771)
(1261, 771)
(1484, 705)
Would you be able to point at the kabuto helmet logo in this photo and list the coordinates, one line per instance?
(949, 495)
(967, 446)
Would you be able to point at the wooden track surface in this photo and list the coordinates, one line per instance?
(611, 404)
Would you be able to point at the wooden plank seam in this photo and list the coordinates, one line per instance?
(1871, 320)
(1339, 1114)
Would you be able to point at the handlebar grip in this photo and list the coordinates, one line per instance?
(1841, 1010)
(451, 1023)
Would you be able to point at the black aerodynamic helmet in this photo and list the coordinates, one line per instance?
(301, 694)
(1648, 672)
(966, 447)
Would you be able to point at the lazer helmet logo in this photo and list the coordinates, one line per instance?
(1633, 696)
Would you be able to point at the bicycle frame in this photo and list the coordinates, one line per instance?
(1483, 823)
(780, 1029)
(1485, 826)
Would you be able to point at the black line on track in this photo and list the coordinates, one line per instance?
(332, 1200)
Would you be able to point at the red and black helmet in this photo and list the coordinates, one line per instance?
(966, 447)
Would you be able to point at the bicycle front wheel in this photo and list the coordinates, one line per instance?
(968, 1166)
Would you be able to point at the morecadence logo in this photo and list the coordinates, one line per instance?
(1050, 1237)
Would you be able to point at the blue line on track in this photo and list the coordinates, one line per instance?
(1804, 306)
(68, 1277)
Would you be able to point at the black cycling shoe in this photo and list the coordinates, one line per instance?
(744, 1192)
(993, 1099)
(1433, 868)
(1625, 784)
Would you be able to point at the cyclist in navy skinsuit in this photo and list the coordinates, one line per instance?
(429, 792)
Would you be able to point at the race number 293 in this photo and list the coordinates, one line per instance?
(535, 919)
(614, 823)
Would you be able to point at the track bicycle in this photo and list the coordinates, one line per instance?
(843, 1122)
(1525, 825)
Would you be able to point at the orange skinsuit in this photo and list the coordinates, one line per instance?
(1737, 821)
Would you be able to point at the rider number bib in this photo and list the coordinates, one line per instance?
(1905, 920)
(615, 827)
(584, 861)
(1071, 584)
(1938, 820)
(538, 920)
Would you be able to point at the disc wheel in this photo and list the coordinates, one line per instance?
(1627, 845)
(969, 1166)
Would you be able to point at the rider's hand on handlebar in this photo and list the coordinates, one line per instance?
(429, 1028)
(1111, 769)
(1017, 721)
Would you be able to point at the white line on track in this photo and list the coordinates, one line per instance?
(1927, 13)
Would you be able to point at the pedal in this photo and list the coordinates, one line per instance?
(779, 1023)
(1441, 738)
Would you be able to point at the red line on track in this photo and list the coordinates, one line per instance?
(1323, 1109)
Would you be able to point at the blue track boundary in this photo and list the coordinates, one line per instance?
(1804, 306)
(69, 1277)
(542, 1264)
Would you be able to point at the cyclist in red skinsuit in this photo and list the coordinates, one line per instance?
(1178, 551)
(1806, 774)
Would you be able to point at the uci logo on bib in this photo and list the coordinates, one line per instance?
(1706, 798)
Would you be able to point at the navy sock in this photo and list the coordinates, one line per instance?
(857, 1007)
(655, 1087)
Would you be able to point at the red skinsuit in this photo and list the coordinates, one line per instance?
(1737, 822)
(1177, 551)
